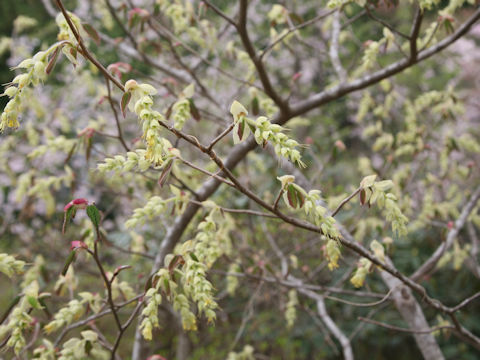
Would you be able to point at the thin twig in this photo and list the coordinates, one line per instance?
(115, 114)
(396, 328)
(345, 201)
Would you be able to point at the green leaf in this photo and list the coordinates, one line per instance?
(241, 129)
(363, 196)
(300, 198)
(194, 110)
(88, 148)
(255, 106)
(194, 257)
(33, 302)
(92, 32)
(88, 347)
(127, 96)
(292, 196)
(69, 214)
(52, 61)
(70, 259)
(94, 215)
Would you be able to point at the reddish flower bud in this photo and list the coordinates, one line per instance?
(450, 225)
(78, 245)
(156, 357)
(340, 145)
(79, 203)
(296, 76)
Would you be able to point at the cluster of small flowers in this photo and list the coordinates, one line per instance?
(198, 288)
(153, 301)
(164, 283)
(141, 103)
(212, 241)
(120, 164)
(34, 272)
(65, 33)
(54, 144)
(317, 214)
(65, 316)
(86, 347)
(457, 256)
(182, 305)
(369, 59)
(19, 320)
(42, 188)
(181, 108)
(206, 247)
(232, 281)
(364, 266)
(66, 283)
(36, 69)
(245, 354)
(190, 262)
(34, 73)
(264, 132)
(154, 207)
(332, 253)
(46, 351)
(10, 266)
(291, 311)
(284, 146)
(376, 191)
(122, 290)
(177, 14)
(296, 197)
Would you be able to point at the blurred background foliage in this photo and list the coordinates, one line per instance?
(266, 329)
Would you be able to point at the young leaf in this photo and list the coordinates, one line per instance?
(194, 110)
(94, 215)
(241, 129)
(70, 259)
(52, 61)
(164, 175)
(127, 96)
(363, 196)
(88, 148)
(292, 196)
(69, 214)
(33, 302)
(255, 106)
(92, 32)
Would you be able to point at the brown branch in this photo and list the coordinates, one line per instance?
(84, 48)
(257, 61)
(221, 136)
(91, 318)
(395, 68)
(294, 29)
(417, 23)
(124, 327)
(239, 211)
(220, 13)
(387, 25)
(115, 114)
